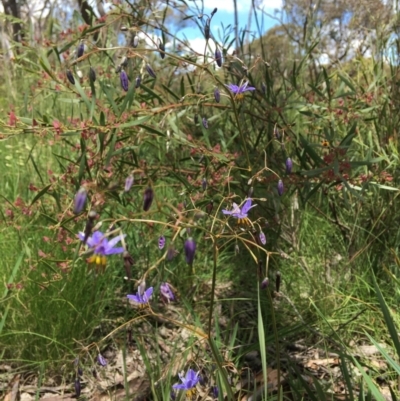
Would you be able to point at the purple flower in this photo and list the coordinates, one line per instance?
(128, 183)
(101, 360)
(188, 382)
(289, 165)
(148, 198)
(240, 213)
(166, 292)
(239, 90)
(142, 296)
(161, 242)
(80, 200)
(190, 250)
(262, 237)
(124, 80)
(101, 247)
(217, 95)
(280, 188)
(218, 57)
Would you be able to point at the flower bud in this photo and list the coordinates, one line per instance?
(70, 77)
(204, 184)
(205, 123)
(138, 81)
(278, 281)
(237, 249)
(128, 183)
(280, 188)
(264, 283)
(161, 48)
(148, 198)
(166, 292)
(92, 74)
(161, 242)
(263, 238)
(218, 57)
(190, 250)
(150, 71)
(289, 165)
(80, 200)
(277, 133)
(214, 11)
(101, 360)
(124, 80)
(80, 50)
(207, 29)
(135, 41)
(79, 73)
(215, 388)
(263, 88)
(77, 386)
(217, 95)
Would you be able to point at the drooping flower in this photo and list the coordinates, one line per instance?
(102, 247)
(142, 296)
(240, 213)
(101, 360)
(148, 198)
(190, 250)
(188, 382)
(161, 242)
(124, 80)
(166, 292)
(289, 165)
(280, 187)
(80, 200)
(128, 183)
(239, 91)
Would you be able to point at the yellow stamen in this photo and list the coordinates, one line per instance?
(239, 97)
(190, 393)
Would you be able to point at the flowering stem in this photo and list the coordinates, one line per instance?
(214, 278)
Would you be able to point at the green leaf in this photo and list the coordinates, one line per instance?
(40, 194)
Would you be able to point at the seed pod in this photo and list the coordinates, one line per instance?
(278, 281)
(124, 80)
(135, 41)
(70, 77)
(205, 123)
(80, 200)
(128, 183)
(150, 71)
(92, 74)
(190, 250)
(217, 95)
(280, 188)
(80, 50)
(218, 57)
(138, 81)
(264, 283)
(161, 48)
(77, 386)
(148, 198)
(161, 242)
(207, 29)
(289, 165)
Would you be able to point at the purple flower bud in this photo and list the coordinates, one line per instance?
(80, 50)
(166, 292)
(101, 360)
(278, 281)
(161, 47)
(128, 183)
(135, 41)
(80, 200)
(150, 71)
(77, 385)
(280, 188)
(205, 123)
(277, 133)
(289, 165)
(148, 198)
(171, 253)
(124, 80)
(161, 242)
(215, 391)
(190, 250)
(218, 57)
(138, 81)
(217, 95)
(70, 77)
(207, 29)
(264, 283)
(92, 74)
(262, 237)
(204, 184)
